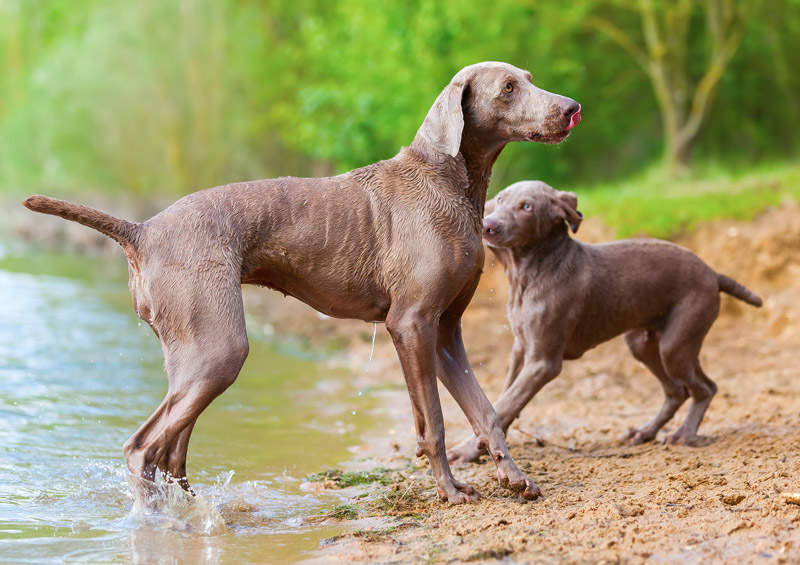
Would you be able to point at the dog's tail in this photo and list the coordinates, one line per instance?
(122, 231)
(730, 286)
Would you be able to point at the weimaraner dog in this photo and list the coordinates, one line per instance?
(567, 297)
(397, 241)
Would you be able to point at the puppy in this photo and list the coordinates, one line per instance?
(567, 297)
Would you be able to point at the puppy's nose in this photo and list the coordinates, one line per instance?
(490, 226)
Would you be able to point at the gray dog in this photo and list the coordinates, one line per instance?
(397, 241)
(567, 297)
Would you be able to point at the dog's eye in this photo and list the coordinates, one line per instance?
(526, 206)
(508, 87)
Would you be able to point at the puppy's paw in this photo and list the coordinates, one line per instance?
(638, 436)
(466, 452)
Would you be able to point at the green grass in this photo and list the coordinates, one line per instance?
(344, 479)
(344, 512)
(651, 205)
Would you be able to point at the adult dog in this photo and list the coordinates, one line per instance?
(397, 241)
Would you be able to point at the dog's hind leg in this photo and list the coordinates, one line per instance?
(679, 346)
(643, 344)
(202, 331)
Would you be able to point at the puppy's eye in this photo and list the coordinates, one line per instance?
(526, 206)
(508, 87)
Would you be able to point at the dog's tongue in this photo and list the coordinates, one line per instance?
(574, 120)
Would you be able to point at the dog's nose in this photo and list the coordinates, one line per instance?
(490, 226)
(572, 111)
(571, 107)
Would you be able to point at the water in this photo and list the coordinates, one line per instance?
(78, 374)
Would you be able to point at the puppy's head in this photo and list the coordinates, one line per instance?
(527, 212)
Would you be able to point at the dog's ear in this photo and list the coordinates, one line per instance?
(444, 123)
(488, 208)
(567, 208)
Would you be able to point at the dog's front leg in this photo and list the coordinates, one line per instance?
(470, 450)
(414, 336)
(457, 376)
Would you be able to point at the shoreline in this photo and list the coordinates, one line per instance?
(603, 500)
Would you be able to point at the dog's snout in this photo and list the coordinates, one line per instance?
(490, 226)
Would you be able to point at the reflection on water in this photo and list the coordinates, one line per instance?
(78, 374)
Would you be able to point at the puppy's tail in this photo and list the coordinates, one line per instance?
(124, 232)
(730, 286)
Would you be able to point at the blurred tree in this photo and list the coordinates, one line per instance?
(177, 95)
(665, 54)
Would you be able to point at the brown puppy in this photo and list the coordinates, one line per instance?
(567, 297)
(397, 241)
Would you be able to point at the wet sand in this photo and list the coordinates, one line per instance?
(604, 500)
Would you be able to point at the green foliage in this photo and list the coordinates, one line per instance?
(168, 97)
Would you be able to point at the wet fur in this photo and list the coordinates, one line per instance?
(397, 241)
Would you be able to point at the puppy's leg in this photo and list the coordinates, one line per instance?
(457, 376)
(469, 449)
(703, 390)
(531, 379)
(679, 346)
(414, 336)
(515, 361)
(643, 344)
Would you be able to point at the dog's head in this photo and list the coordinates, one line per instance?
(500, 103)
(527, 212)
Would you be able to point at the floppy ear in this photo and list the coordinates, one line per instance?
(567, 208)
(488, 208)
(445, 120)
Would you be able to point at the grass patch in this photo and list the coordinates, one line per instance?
(652, 205)
(344, 479)
(405, 499)
(490, 554)
(344, 512)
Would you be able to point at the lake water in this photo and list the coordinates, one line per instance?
(79, 373)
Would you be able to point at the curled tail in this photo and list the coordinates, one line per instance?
(727, 284)
(123, 231)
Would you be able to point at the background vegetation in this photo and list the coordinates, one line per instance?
(166, 97)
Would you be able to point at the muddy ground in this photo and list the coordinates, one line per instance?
(605, 501)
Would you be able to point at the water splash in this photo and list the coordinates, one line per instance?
(166, 506)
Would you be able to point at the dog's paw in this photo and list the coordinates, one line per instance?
(458, 493)
(638, 436)
(511, 477)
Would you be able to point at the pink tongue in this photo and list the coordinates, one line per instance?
(574, 120)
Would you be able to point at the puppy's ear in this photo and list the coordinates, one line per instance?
(567, 208)
(444, 123)
(488, 208)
